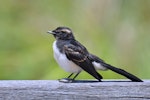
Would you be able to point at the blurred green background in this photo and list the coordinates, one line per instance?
(118, 31)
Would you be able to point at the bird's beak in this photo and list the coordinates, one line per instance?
(50, 32)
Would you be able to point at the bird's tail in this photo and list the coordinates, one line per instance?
(122, 72)
(117, 70)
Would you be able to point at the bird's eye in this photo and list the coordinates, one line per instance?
(66, 31)
(63, 31)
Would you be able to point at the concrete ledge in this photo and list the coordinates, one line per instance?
(80, 90)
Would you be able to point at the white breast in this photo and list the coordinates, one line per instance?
(63, 62)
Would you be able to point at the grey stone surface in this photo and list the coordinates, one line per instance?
(80, 90)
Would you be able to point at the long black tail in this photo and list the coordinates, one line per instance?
(117, 70)
(122, 72)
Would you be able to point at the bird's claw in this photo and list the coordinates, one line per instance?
(66, 80)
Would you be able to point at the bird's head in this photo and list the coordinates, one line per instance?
(63, 33)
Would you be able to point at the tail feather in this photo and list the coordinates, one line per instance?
(122, 72)
(117, 70)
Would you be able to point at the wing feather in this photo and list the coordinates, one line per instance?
(80, 57)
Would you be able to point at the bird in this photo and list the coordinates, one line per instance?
(73, 57)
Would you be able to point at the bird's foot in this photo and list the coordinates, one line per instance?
(66, 80)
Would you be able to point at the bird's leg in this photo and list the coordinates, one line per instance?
(70, 75)
(67, 80)
(76, 75)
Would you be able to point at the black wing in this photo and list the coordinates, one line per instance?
(79, 55)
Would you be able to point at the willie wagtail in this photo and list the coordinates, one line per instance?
(73, 57)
